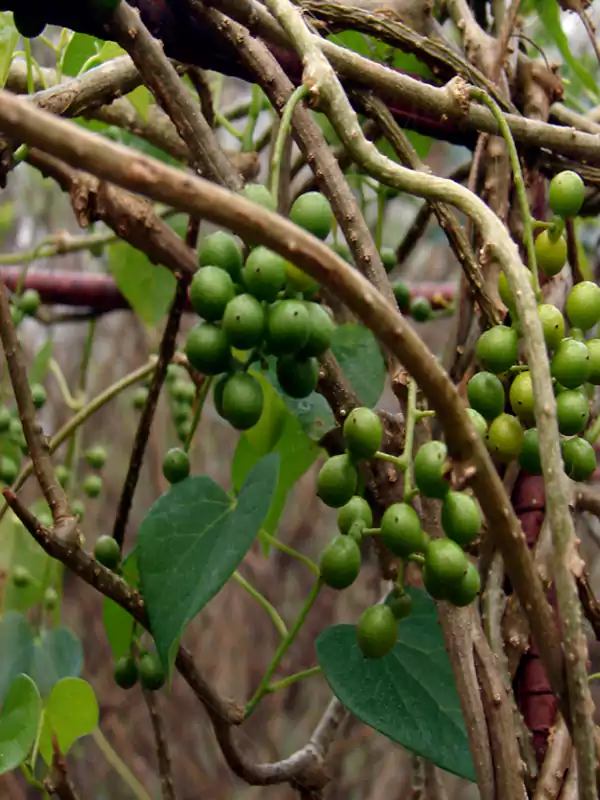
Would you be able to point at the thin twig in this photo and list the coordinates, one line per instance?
(162, 746)
(58, 782)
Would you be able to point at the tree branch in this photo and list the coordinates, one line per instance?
(162, 747)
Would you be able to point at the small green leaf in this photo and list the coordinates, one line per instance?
(26, 552)
(70, 712)
(39, 368)
(141, 99)
(80, 49)
(57, 654)
(110, 50)
(408, 695)
(359, 356)
(18, 722)
(190, 543)
(118, 624)
(16, 649)
(9, 38)
(147, 287)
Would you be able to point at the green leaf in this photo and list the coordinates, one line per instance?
(70, 712)
(39, 368)
(277, 431)
(26, 552)
(110, 50)
(141, 99)
(16, 649)
(147, 287)
(359, 356)
(549, 14)
(57, 654)
(18, 722)
(190, 543)
(118, 624)
(9, 37)
(80, 49)
(408, 695)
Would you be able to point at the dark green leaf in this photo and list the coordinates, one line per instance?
(148, 288)
(39, 368)
(359, 356)
(18, 722)
(118, 624)
(70, 712)
(16, 649)
(409, 695)
(190, 543)
(57, 654)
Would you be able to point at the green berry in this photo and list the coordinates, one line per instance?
(572, 411)
(220, 249)
(337, 481)
(402, 295)
(140, 396)
(579, 458)
(420, 309)
(571, 363)
(242, 401)
(551, 256)
(125, 672)
(96, 456)
(264, 274)
(244, 322)
(446, 562)
(210, 291)
(313, 212)
(521, 397)
(299, 281)
(461, 518)
(5, 418)
(498, 349)
(566, 194)
(465, 592)
(321, 330)
(30, 302)
(486, 394)
(505, 437)
(530, 458)
(107, 552)
(388, 259)
(400, 602)
(377, 631)
(583, 305)
(506, 294)
(356, 509)
(21, 577)
(340, 562)
(362, 433)
(298, 377)
(9, 470)
(207, 348)
(259, 194)
(183, 391)
(38, 395)
(478, 421)
(92, 485)
(78, 509)
(184, 430)
(431, 467)
(151, 673)
(288, 327)
(50, 599)
(176, 465)
(401, 530)
(62, 474)
(553, 325)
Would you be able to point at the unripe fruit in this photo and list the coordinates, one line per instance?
(183, 391)
(506, 294)
(38, 395)
(550, 256)
(220, 249)
(340, 562)
(176, 465)
(402, 295)
(400, 602)
(140, 396)
(264, 274)
(9, 470)
(313, 212)
(420, 309)
(593, 346)
(125, 672)
(530, 458)
(355, 509)
(151, 673)
(210, 291)
(62, 474)
(259, 194)
(461, 518)
(401, 530)
(583, 305)
(244, 322)
(377, 631)
(464, 593)
(29, 302)
(337, 481)
(388, 258)
(207, 349)
(242, 401)
(288, 327)
(571, 363)
(478, 421)
(107, 552)
(566, 195)
(50, 599)
(553, 325)
(78, 509)
(5, 418)
(299, 281)
(92, 486)
(486, 394)
(505, 437)
(521, 397)
(431, 469)
(21, 577)
(446, 562)
(321, 330)
(572, 411)
(579, 458)
(96, 456)
(362, 433)
(498, 349)
(297, 376)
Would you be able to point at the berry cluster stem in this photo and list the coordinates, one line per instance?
(261, 600)
(200, 402)
(291, 679)
(284, 127)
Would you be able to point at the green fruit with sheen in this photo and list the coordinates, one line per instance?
(211, 290)
(572, 411)
(579, 458)
(583, 305)
(78, 509)
(125, 672)
(363, 433)
(401, 530)
(479, 422)
(321, 330)
(92, 486)
(498, 349)
(521, 397)
(593, 346)
(446, 562)
(288, 327)
(96, 456)
(259, 194)
(107, 552)
(530, 458)
(461, 518)
(465, 592)
(339, 564)
(431, 468)
(184, 392)
(312, 211)
(420, 309)
(388, 259)
(242, 401)
(151, 673)
(356, 509)
(337, 481)
(553, 325)
(220, 249)
(400, 602)
(207, 348)
(30, 302)
(566, 195)
(21, 577)
(140, 396)
(244, 322)
(486, 394)
(571, 363)
(402, 295)
(505, 438)
(436, 587)
(377, 631)
(176, 465)
(38, 395)
(297, 376)
(550, 256)
(264, 274)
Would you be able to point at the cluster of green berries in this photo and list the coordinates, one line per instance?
(11, 431)
(565, 199)
(575, 365)
(25, 305)
(147, 669)
(448, 574)
(258, 305)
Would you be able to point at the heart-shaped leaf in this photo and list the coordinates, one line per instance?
(16, 649)
(359, 356)
(191, 542)
(70, 712)
(409, 695)
(18, 722)
(57, 654)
